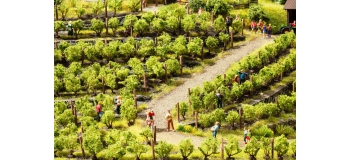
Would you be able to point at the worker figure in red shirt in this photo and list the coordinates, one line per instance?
(150, 115)
(293, 24)
(99, 111)
(253, 26)
(260, 26)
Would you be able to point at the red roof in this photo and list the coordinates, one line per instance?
(290, 4)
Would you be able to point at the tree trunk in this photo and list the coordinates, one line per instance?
(56, 12)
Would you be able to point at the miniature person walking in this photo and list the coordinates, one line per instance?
(260, 26)
(269, 31)
(215, 129)
(70, 28)
(99, 111)
(249, 134)
(119, 103)
(264, 31)
(253, 26)
(219, 97)
(149, 123)
(169, 119)
(228, 23)
(242, 76)
(245, 135)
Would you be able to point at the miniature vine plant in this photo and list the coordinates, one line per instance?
(112, 136)
(232, 117)
(218, 115)
(65, 118)
(97, 26)
(281, 146)
(266, 146)
(293, 148)
(211, 42)
(128, 111)
(158, 25)
(148, 17)
(92, 141)
(252, 148)
(108, 118)
(113, 23)
(232, 147)
(115, 151)
(208, 147)
(205, 120)
(173, 66)
(163, 150)
(147, 134)
(263, 131)
(136, 148)
(184, 107)
(115, 5)
(186, 148)
(141, 26)
(85, 107)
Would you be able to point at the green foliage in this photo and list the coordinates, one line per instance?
(97, 26)
(210, 100)
(265, 110)
(208, 87)
(188, 23)
(219, 24)
(72, 83)
(158, 25)
(218, 115)
(113, 23)
(127, 138)
(281, 145)
(70, 142)
(87, 121)
(137, 148)
(73, 53)
(127, 49)
(293, 146)
(112, 136)
(92, 141)
(110, 80)
(59, 108)
(107, 101)
(223, 37)
(63, 8)
(146, 47)
(78, 25)
(163, 149)
(172, 66)
(115, 5)
(141, 26)
(63, 45)
(256, 13)
(172, 23)
(204, 26)
(108, 118)
(232, 117)
(136, 66)
(196, 103)
(209, 146)
(80, 11)
(284, 129)
(133, 5)
(253, 147)
(58, 143)
(148, 16)
(147, 134)
(186, 148)
(265, 145)
(71, 128)
(232, 147)
(221, 7)
(58, 26)
(183, 107)
(194, 5)
(110, 51)
(205, 120)
(115, 151)
(211, 42)
(58, 84)
(263, 131)
(122, 74)
(128, 112)
(287, 103)
(65, 118)
(85, 107)
(97, 7)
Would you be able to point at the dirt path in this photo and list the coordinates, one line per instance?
(168, 101)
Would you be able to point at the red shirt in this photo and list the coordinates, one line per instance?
(150, 114)
(260, 24)
(293, 24)
(98, 108)
(253, 24)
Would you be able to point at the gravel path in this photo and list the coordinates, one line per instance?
(168, 101)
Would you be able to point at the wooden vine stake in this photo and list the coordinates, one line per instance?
(81, 146)
(106, 26)
(293, 87)
(106, 17)
(196, 115)
(71, 106)
(189, 94)
(75, 116)
(178, 111)
(152, 146)
(155, 134)
(141, 5)
(222, 149)
(276, 100)
(130, 28)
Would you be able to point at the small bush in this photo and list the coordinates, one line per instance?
(263, 131)
(284, 129)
